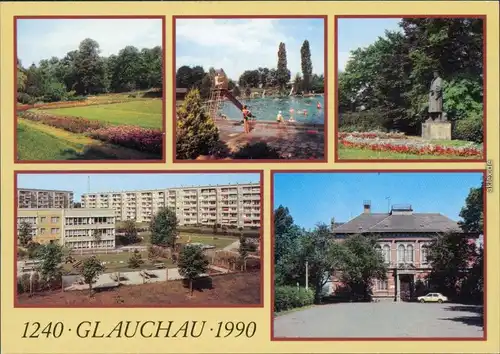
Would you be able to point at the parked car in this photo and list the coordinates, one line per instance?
(433, 297)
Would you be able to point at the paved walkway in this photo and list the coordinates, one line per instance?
(384, 319)
(292, 140)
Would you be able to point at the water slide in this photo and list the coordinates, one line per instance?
(233, 99)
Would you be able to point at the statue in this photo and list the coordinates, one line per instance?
(436, 99)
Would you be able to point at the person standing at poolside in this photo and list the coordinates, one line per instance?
(246, 115)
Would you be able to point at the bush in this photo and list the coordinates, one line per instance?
(372, 120)
(149, 140)
(469, 129)
(71, 124)
(258, 150)
(24, 98)
(197, 133)
(289, 297)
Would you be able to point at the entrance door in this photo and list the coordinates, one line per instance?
(407, 287)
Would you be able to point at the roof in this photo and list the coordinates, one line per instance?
(388, 223)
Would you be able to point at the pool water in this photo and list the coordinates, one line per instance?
(266, 109)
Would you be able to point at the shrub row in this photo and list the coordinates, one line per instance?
(289, 297)
(148, 140)
(71, 124)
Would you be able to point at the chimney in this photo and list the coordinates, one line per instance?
(367, 207)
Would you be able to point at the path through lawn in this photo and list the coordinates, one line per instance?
(144, 113)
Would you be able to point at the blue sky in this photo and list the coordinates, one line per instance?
(246, 44)
(354, 33)
(45, 38)
(77, 182)
(317, 197)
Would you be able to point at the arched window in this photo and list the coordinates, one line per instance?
(386, 252)
(409, 253)
(401, 254)
(424, 251)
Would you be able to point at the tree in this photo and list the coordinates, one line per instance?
(306, 65)
(163, 228)
(282, 72)
(192, 263)
(361, 263)
(97, 236)
(243, 250)
(449, 256)
(284, 232)
(89, 68)
(130, 231)
(250, 78)
(197, 133)
(25, 234)
(135, 260)
(472, 212)
(236, 91)
(50, 257)
(90, 269)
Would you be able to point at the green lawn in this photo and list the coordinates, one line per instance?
(218, 241)
(146, 113)
(40, 142)
(361, 154)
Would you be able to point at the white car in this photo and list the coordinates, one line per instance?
(433, 297)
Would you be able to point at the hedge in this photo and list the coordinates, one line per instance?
(289, 297)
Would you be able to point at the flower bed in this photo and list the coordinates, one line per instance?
(372, 135)
(71, 124)
(148, 140)
(411, 147)
(70, 104)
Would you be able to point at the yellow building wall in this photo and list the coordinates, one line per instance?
(45, 224)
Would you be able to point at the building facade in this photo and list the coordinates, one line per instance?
(73, 228)
(403, 238)
(44, 199)
(227, 205)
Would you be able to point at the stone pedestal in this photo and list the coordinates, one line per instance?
(436, 131)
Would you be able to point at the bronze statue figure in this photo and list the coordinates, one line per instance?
(436, 99)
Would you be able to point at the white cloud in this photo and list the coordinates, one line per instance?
(111, 34)
(236, 45)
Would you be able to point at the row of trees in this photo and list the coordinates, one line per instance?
(390, 78)
(456, 264)
(85, 72)
(279, 77)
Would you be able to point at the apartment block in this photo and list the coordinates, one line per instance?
(44, 199)
(237, 205)
(73, 228)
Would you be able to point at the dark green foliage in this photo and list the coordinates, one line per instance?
(192, 263)
(24, 234)
(282, 73)
(289, 297)
(197, 133)
(393, 75)
(258, 150)
(472, 213)
(163, 227)
(50, 257)
(130, 233)
(374, 119)
(84, 72)
(135, 260)
(306, 65)
(90, 269)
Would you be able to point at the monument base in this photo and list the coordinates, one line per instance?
(436, 131)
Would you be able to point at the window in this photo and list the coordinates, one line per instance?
(54, 231)
(409, 253)
(424, 251)
(43, 219)
(54, 219)
(387, 253)
(381, 285)
(401, 254)
(42, 231)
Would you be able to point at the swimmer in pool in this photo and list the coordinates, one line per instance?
(304, 112)
(318, 105)
(279, 117)
(291, 119)
(292, 110)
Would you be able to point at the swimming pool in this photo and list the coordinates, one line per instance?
(266, 109)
